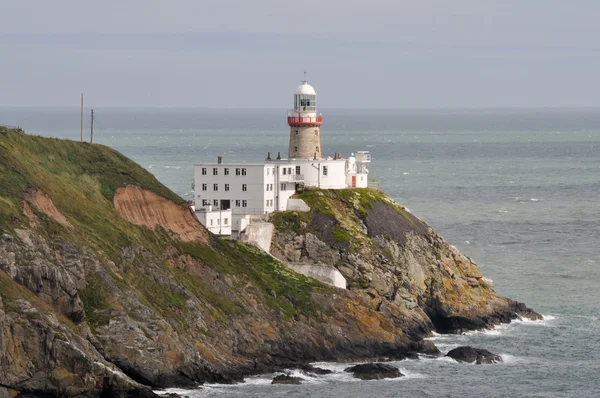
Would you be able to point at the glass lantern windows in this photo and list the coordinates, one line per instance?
(305, 103)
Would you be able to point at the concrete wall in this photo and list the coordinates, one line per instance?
(297, 205)
(260, 233)
(327, 275)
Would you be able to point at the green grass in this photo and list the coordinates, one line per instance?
(81, 179)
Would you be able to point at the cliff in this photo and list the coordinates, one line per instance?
(109, 285)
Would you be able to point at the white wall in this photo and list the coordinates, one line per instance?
(256, 179)
(219, 222)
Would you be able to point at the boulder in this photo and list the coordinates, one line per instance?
(286, 379)
(313, 370)
(374, 371)
(473, 355)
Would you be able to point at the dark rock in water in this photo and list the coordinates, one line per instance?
(374, 371)
(286, 379)
(313, 370)
(470, 355)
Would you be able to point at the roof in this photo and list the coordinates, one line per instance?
(305, 89)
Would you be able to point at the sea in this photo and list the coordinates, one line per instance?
(517, 190)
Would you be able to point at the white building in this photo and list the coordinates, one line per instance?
(251, 189)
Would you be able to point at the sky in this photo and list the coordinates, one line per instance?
(253, 53)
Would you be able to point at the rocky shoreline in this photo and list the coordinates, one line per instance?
(109, 287)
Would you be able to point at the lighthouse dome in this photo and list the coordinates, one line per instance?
(305, 89)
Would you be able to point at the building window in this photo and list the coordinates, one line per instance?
(218, 221)
(226, 171)
(215, 187)
(284, 171)
(295, 149)
(225, 221)
(289, 170)
(205, 202)
(216, 202)
(204, 187)
(215, 171)
(268, 171)
(282, 187)
(317, 149)
(297, 170)
(211, 222)
(243, 171)
(204, 171)
(237, 203)
(271, 202)
(267, 203)
(226, 187)
(324, 171)
(244, 203)
(244, 187)
(238, 171)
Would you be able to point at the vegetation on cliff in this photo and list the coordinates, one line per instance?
(105, 272)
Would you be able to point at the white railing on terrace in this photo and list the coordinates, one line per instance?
(291, 177)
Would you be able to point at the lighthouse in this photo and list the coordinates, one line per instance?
(230, 195)
(305, 125)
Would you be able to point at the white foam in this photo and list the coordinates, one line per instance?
(511, 359)
(179, 391)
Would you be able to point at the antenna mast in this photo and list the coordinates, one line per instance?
(92, 129)
(81, 117)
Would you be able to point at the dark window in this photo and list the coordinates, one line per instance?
(227, 187)
(325, 170)
(204, 187)
(243, 171)
(238, 171)
(216, 202)
(204, 171)
(284, 171)
(215, 171)
(244, 187)
(215, 187)
(237, 203)
(226, 171)
(297, 170)
(244, 203)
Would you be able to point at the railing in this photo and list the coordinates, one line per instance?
(305, 120)
(291, 177)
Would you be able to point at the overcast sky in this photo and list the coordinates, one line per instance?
(252, 53)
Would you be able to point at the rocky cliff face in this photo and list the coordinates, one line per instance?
(109, 286)
(417, 279)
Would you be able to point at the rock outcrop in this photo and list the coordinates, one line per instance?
(374, 371)
(408, 271)
(473, 355)
(287, 379)
(109, 285)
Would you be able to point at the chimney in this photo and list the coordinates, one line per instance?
(268, 155)
(278, 155)
(219, 159)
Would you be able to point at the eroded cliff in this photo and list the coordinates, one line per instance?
(108, 284)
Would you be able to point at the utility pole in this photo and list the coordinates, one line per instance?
(92, 129)
(81, 117)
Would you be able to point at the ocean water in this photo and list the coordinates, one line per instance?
(516, 190)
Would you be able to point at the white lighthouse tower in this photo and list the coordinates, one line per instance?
(305, 124)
